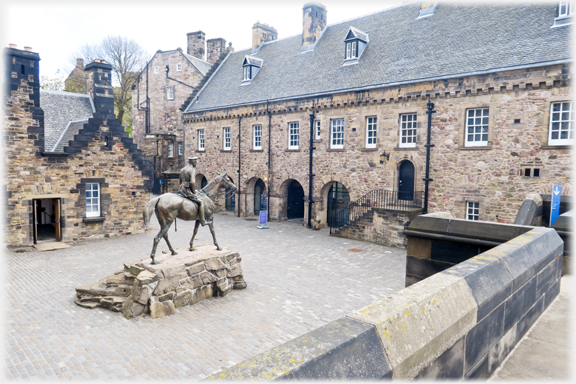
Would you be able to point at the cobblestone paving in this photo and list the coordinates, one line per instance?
(298, 280)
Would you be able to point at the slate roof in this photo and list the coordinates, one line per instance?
(60, 109)
(201, 65)
(458, 39)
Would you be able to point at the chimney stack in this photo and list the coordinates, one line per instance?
(215, 47)
(99, 86)
(80, 63)
(196, 43)
(314, 22)
(262, 33)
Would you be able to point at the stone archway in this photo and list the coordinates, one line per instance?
(335, 197)
(200, 181)
(291, 205)
(256, 197)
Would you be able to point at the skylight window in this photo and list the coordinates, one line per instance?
(564, 14)
(354, 44)
(250, 67)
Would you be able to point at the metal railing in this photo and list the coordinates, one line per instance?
(394, 200)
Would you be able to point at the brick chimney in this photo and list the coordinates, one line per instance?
(262, 33)
(196, 44)
(215, 47)
(314, 22)
(99, 86)
(80, 63)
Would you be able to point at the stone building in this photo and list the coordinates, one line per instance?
(316, 120)
(71, 172)
(158, 94)
(76, 80)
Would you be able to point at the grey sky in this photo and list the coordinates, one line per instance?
(55, 29)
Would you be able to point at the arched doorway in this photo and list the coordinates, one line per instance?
(230, 197)
(259, 197)
(338, 200)
(406, 180)
(295, 201)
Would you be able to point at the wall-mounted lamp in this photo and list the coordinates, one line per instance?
(384, 156)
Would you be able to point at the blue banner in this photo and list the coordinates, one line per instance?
(555, 203)
(263, 217)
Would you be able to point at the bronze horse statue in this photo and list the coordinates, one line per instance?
(170, 206)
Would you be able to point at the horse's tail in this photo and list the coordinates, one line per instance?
(148, 208)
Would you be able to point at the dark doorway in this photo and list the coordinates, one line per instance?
(259, 198)
(230, 199)
(157, 188)
(295, 203)
(47, 220)
(406, 181)
(338, 214)
(203, 182)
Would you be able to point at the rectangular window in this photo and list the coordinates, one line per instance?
(407, 130)
(293, 135)
(180, 149)
(92, 199)
(169, 93)
(561, 124)
(348, 50)
(178, 67)
(200, 139)
(156, 69)
(257, 137)
(473, 210)
(227, 140)
(354, 49)
(477, 127)
(371, 132)
(317, 130)
(565, 9)
(247, 72)
(337, 134)
(530, 172)
(170, 149)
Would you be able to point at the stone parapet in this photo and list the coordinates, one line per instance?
(176, 281)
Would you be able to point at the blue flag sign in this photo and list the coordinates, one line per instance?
(555, 203)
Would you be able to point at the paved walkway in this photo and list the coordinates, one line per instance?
(298, 280)
(545, 351)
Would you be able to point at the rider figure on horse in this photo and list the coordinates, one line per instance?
(188, 187)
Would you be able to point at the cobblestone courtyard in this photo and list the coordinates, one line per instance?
(298, 280)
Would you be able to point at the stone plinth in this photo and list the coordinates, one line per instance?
(176, 281)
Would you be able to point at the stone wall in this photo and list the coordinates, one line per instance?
(32, 174)
(493, 175)
(165, 115)
(380, 226)
(460, 323)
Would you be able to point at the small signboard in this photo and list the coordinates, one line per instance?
(555, 203)
(263, 220)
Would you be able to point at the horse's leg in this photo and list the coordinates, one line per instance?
(213, 232)
(164, 227)
(169, 245)
(196, 225)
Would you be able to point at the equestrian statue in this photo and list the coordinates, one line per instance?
(187, 204)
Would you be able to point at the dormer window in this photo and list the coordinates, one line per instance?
(564, 14)
(354, 45)
(250, 67)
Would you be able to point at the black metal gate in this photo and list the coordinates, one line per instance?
(295, 203)
(338, 201)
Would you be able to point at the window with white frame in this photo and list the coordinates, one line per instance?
(156, 69)
(247, 73)
(227, 139)
(169, 93)
(317, 130)
(170, 149)
(560, 123)
(257, 137)
(351, 50)
(407, 130)
(293, 135)
(178, 67)
(337, 134)
(472, 210)
(477, 127)
(565, 9)
(371, 132)
(201, 140)
(92, 199)
(180, 149)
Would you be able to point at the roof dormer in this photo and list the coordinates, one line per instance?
(564, 14)
(354, 44)
(250, 66)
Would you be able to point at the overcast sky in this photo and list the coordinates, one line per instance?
(56, 29)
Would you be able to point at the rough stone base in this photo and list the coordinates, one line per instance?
(176, 281)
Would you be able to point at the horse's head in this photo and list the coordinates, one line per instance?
(227, 181)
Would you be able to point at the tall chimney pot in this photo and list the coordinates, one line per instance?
(313, 23)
